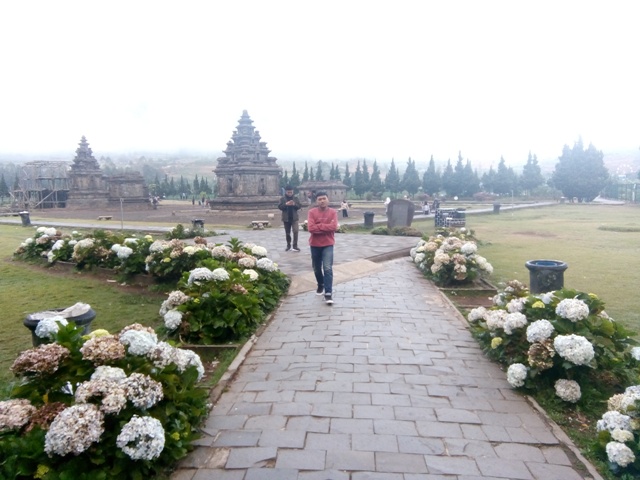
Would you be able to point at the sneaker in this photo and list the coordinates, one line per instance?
(319, 290)
(327, 299)
(288, 248)
(295, 249)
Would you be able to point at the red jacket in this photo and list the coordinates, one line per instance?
(322, 225)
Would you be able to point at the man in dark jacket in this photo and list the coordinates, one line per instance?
(289, 204)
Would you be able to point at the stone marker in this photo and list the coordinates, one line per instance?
(400, 213)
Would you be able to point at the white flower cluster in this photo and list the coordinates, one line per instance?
(131, 240)
(635, 353)
(74, 430)
(626, 402)
(185, 359)
(48, 327)
(572, 309)
(247, 262)
(476, 314)
(174, 299)
(201, 274)
(58, 245)
(139, 342)
(575, 348)
(620, 454)
(513, 321)
(539, 331)
(259, 251)
(124, 252)
(419, 258)
(157, 246)
(267, 265)
(495, 319)
(172, 319)
(547, 297)
(568, 390)
(142, 438)
(220, 275)
(221, 251)
(517, 374)
(469, 248)
(612, 420)
(143, 391)
(252, 274)
(516, 304)
(84, 243)
(15, 413)
(48, 231)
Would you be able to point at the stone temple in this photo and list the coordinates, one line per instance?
(247, 177)
(90, 188)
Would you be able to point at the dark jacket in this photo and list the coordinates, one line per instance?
(289, 209)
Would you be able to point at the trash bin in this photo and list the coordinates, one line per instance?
(26, 221)
(197, 223)
(368, 219)
(545, 275)
(83, 320)
(496, 208)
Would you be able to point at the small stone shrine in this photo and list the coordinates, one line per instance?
(90, 188)
(247, 177)
(400, 213)
(336, 191)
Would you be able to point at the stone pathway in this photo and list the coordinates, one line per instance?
(386, 384)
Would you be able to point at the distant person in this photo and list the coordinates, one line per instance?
(386, 205)
(344, 206)
(289, 205)
(425, 207)
(322, 222)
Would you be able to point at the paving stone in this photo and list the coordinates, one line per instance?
(394, 427)
(237, 438)
(282, 438)
(351, 425)
(376, 476)
(307, 459)
(374, 443)
(526, 453)
(309, 424)
(556, 456)
(271, 474)
(350, 460)
(421, 445)
(451, 465)
(208, 474)
(456, 415)
(499, 467)
(324, 475)
(266, 422)
(328, 441)
(545, 471)
(414, 413)
(250, 457)
(440, 430)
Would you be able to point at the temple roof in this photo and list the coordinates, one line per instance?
(245, 145)
(84, 159)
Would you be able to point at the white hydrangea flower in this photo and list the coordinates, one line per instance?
(143, 391)
(104, 372)
(74, 430)
(221, 251)
(498, 300)
(635, 353)
(517, 374)
(513, 321)
(622, 436)
(252, 274)
(189, 250)
(468, 248)
(612, 420)
(48, 327)
(115, 248)
(28, 241)
(247, 262)
(266, 264)
(200, 274)
(162, 354)
(419, 258)
(548, 297)
(495, 319)
(124, 252)
(15, 413)
(174, 299)
(516, 305)
(57, 246)
(157, 246)
(568, 390)
(139, 342)
(539, 331)
(187, 358)
(575, 348)
(84, 243)
(172, 319)
(142, 438)
(620, 454)
(131, 241)
(259, 251)
(476, 314)
(220, 274)
(572, 309)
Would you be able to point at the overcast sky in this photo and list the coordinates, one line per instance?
(321, 80)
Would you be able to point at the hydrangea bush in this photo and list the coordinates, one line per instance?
(449, 259)
(562, 341)
(619, 431)
(100, 406)
(226, 297)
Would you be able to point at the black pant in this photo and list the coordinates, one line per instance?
(288, 227)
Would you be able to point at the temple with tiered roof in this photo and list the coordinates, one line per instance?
(247, 177)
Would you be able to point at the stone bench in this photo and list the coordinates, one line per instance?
(259, 224)
(105, 217)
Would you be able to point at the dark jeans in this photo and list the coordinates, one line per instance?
(345, 214)
(288, 227)
(322, 263)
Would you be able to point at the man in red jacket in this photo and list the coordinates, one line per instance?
(322, 222)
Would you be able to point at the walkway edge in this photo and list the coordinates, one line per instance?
(558, 432)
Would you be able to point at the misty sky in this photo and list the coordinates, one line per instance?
(321, 80)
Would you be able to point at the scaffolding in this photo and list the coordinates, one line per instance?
(41, 184)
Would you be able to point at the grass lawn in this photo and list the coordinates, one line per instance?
(600, 244)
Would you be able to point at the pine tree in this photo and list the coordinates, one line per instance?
(489, 180)
(336, 175)
(319, 176)
(431, 179)
(305, 173)
(347, 180)
(392, 179)
(448, 179)
(366, 178)
(506, 180)
(531, 175)
(196, 186)
(471, 180)
(295, 177)
(410, 179)
(4, 188)
(580, 173)
(375, 183)
(358, 185)
(284, 180)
